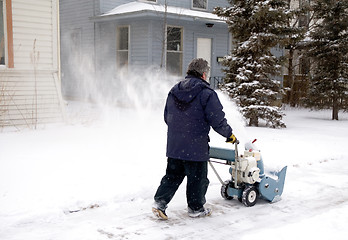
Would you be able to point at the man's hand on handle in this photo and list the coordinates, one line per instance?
(232, 139)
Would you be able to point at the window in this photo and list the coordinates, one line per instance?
(304, 17)
(201, 4)
(6, 34)
(174, 50)
(122, 46)
(303, 20)
(304, 66)
(2, 34)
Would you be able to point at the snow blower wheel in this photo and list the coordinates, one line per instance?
(224, 188)
(249, 197)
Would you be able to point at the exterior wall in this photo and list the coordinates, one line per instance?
(188, 4)
(140, 39)
(146, 42)
(106, 47)
(146, 35)
(156, 42)
(139, 33)
(220, 37)
(91, 42)
(30, 91)
(107, 5)
(77, 45)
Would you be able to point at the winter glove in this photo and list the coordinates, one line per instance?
(231, 139)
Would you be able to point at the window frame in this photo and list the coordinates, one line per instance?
(3, 40)
(8, 34)
(181, 51)
(118, 51)
(198, 8)
(304, 66)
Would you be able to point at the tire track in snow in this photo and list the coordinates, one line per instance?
(308, 192)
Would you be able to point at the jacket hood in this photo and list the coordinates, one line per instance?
(187, 90)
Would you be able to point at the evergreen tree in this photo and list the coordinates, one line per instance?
(328, 47)
(257, 26)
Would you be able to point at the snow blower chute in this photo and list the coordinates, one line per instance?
(248, 180)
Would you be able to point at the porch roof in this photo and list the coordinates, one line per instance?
(148, 9)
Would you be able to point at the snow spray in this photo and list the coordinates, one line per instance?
(141, 89)
(234, 117)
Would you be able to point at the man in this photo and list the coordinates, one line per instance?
(192, 107)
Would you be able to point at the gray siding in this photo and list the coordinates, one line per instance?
(156, 39)
(139, 43)
(217, 3)
(188, 3)
(191, 31)
(146, 42)
(30, 91)
(107, 5)
(94, 43)
(219, 36)
(77, 43)
(148, 35)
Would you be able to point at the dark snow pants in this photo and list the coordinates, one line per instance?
(197, 183)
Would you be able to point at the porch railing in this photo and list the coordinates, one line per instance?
(216, 81)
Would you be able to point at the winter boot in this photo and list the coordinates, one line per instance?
(160, 214)
(159, 211)
(199, 213)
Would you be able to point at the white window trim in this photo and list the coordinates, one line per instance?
(201, 9)
(182, 46)
(181, 40)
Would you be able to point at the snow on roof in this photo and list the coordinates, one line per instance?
(138, 7)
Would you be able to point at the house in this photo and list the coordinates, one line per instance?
(296, 72)
(113, 36)
(30, 91)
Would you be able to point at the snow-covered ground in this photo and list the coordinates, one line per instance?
(95, 177)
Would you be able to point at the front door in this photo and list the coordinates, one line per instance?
(204, 50)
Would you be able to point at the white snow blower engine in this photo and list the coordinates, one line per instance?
(248, 180)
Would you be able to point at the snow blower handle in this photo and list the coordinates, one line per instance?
(232, 139)
(235, 141)
(236, 162)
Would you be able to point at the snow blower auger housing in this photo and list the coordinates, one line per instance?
(248, 180)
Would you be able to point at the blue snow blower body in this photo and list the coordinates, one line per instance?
(248, 179)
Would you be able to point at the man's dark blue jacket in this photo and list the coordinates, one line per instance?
(191, 108)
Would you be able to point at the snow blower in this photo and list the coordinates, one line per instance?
(248, 180)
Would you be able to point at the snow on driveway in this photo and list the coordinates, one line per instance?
(95, 179)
